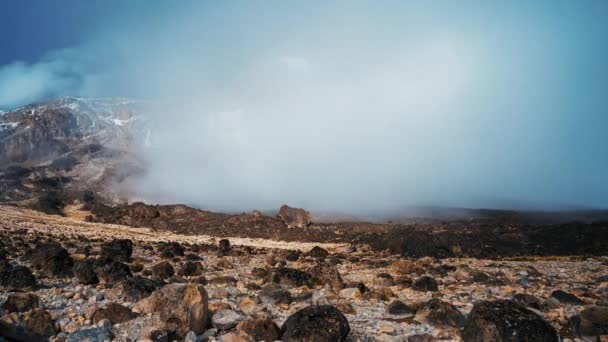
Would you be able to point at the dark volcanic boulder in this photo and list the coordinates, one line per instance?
(113, 272)
(224, 246)
(17, 333)
(133, 289)
(17, 278)
(505, 320)
(440, 314)
(527, 300)
(162, 270)
(425, 283)
(172, 249)
(289, 276)
(322, 323)
(398, 307)
(318, 252)
(566, 298)
(52, 260)
(591, 322)
(85, 272)
(20, 302)
(191, 269)
(294, 217)
(117, 250)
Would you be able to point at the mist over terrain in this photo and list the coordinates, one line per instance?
(354, 108)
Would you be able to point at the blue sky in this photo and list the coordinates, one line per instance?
(470, 103)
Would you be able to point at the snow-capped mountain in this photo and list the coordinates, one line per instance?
(89, 141)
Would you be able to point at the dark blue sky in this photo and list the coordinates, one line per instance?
(463, 103)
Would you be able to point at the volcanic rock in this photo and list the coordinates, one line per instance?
(425, 283)
(114, 272)
(20, 302)
(318, 252)
(398, 307)
(99, 334)
(505, 320)
(113, 312)
(52, 260)
(181, 307)
(289, 276)
(322, 323)
(566, 298)
(117, 250)
(272, 294)
(17, 278)
(133, 289)
(259, 329)
(191, 269)
(294, 217)
(85, 272)
(591, 322)
(39, 321)
(225, 319)
(162, 270)
(440, 314)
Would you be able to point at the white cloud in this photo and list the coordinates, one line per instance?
(294, 63)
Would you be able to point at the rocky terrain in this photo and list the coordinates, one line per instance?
(65, 279)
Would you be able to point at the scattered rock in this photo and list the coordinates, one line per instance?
(17, 278)
(20, 302)
(425, 283)
(248, 306)
(259, 329)
(191, 269)
(318, 252)
(566, 298)
(119, 250)
(113, 272)
(505, 320)
(52, 260)
(591, 322)
(40, 322)
(275, 294)
(289, 276)
(322, 323)
(100, 334)
(326, 273)
(225, 319)
(162, 270)
(133, 289)
(294, 217)
(527, 300)
(224, 247)
(181, 307)
(113, 312)
(350, 293)
(85, 272)
(440, 314)
(398, 307)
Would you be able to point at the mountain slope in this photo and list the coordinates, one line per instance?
(75, 144)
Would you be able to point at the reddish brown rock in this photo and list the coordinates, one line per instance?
(294, 217)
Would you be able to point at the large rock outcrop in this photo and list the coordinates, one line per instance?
(294, 217)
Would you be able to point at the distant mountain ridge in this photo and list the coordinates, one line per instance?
(84, 143)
